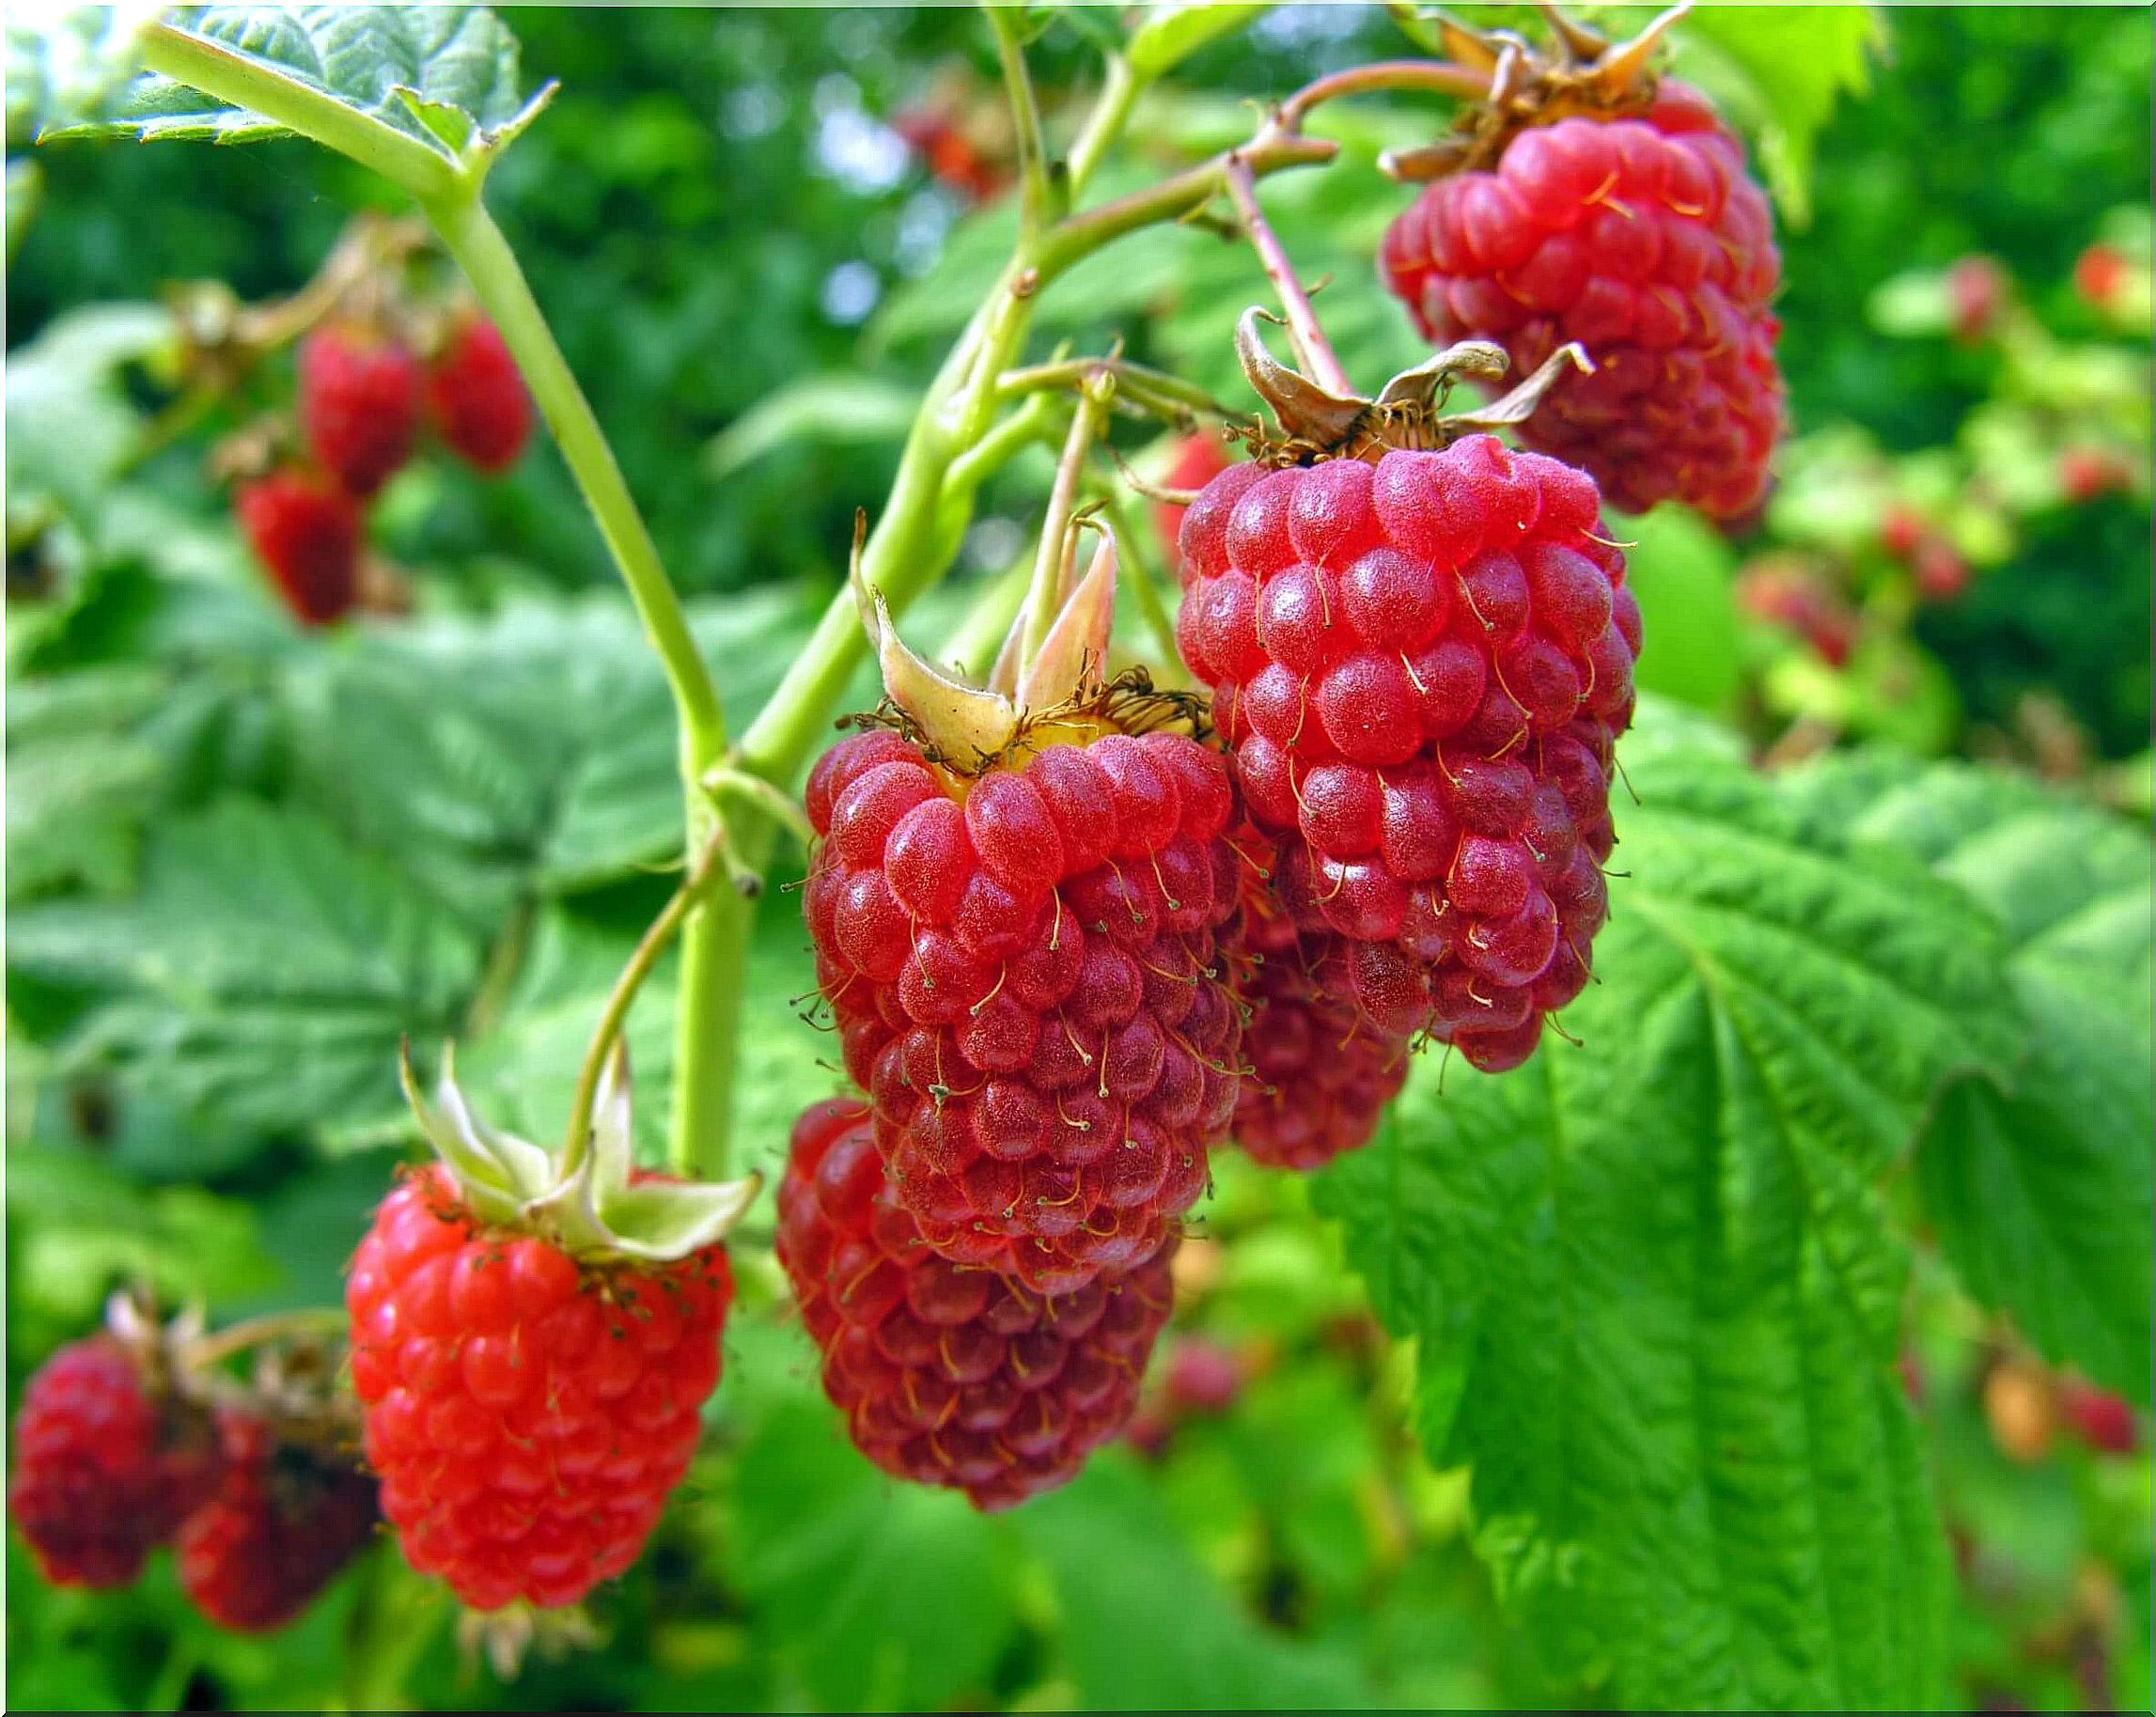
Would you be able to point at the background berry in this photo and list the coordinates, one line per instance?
(1422, 666)
(949, 1375)
(106, 1469)
(1645, 240)
(285, 1519)
(359, 404)
(1028, 984)
(527, 1415)
(306, 533)
(477, 400)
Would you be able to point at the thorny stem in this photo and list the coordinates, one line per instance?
(1312, 349)
(1046, 592)
(619, 998)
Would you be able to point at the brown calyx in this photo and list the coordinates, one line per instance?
(1409, 412)
(1580, 72)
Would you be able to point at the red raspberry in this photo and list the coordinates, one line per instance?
(1900, 529)
(305, 531)
(1198, 460)
(2104, 1422)
(1321, 1073)
(1026, 971)
(1942, 574)
(2085, 473)
(949, 1375)
(1422, 666)
(1790, 592)
(2099, 272)
(477, 399)
(1976, 289)
(528, 1416)
(285, 1521)
(1645, 240)
(1203, 1377)
(105, 1467)
(359, 404)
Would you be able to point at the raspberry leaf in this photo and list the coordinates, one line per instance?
(383, 61)
(2040, 1198)
(1653, 1279)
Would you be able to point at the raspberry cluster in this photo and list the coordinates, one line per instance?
(361, 395)
(285, 1518)
(1644, 239)
(107, 1466)
(1423, 664)
(1026, 970)
(528, 1416)
(1321, 1073)
(950, 1375)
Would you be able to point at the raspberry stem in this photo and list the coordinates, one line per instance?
(1033, 165)
(1312, 349)
(1045, 597)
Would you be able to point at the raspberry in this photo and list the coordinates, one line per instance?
(1422, 666)
(477, 399)
(2102, 1421)
(528, 1414)
(1942, 574)
(107, 1467)
(285, 1519)
(1321, 1073)
(359, 404)
(305, 531)
(1791, 593)
(2099, 272)
(1645, 240)
(949, 1375)
(1977, 293)
(1025, 968)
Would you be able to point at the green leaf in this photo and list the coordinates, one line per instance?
(1146, 1628)
(1778, 71)
(1653, 1279)
(879, 1596)
(1680, 571)
(830, 410)
(461, 58)
(1170, 34)
(70, 421)
(2042, 1198)
(263, 975)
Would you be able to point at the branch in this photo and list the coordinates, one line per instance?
(1314, 351)
(1025, 114)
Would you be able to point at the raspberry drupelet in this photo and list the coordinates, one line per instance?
(528, 1413)
(1422, 659)
(1024, 965)
(107, 1464)
(285, 1519)
(950, 1375)
(1643, 237)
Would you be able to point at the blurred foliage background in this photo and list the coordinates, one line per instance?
(755, 232)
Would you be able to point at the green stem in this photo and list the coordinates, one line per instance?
(1026, 113)
(245, 82)
(498, 282)
(1164, 394)
(1045, 598)
(623, 995)
(1105, 124)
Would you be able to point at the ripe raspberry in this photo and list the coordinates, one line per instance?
(528, 1414)
(1198, 460)
(1422, 666)
(2102, 1421)
(107, 1467)
(1900, 529)
(1321, 1073)
(2085, 474)
(1942, 574)
(305, 531)
(285, 1521)
(1790, 592)
(949, 1375)
(359, 404)
(1645, 240)
(2099, 272)
(1025, 972)
(1976, 289)
(477, 400)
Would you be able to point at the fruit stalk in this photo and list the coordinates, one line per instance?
(1312, 349)
(1044, 600)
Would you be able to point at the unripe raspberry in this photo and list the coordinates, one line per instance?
(1321, 1072)
(285, 1519)
(1025, 974)
(306, 533)
(106, 1464)
(950, 1375)
(1422, 664)
(477, 400)
(528, 1414)
(1644, 239)
(359, 404)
